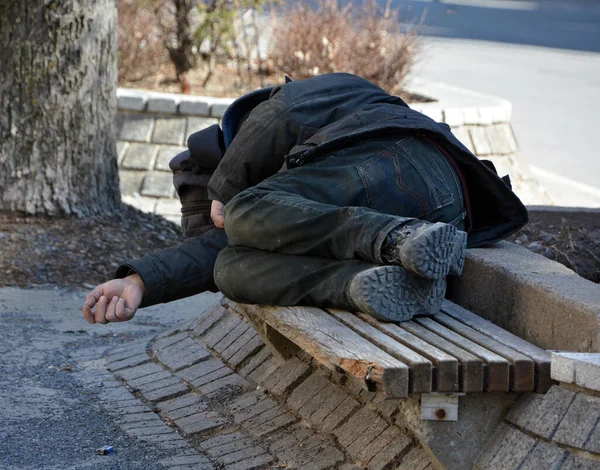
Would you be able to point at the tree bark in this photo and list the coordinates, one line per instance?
(58, 78)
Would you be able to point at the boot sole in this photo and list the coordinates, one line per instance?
(435, 252)
(390, 293)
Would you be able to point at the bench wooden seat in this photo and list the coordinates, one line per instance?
(454, 351)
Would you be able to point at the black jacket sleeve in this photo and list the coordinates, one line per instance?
(179, 271)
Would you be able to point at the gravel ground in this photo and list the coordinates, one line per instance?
(51, 417)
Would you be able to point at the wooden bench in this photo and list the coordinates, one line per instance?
(452, 352)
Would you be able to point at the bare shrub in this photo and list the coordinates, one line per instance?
(366, 41)
(141, 47)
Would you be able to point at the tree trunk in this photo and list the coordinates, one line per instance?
(58, 78)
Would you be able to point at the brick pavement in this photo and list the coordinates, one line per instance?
(215, 396)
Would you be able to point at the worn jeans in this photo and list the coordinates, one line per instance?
(300, 236)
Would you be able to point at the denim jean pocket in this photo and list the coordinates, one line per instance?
(407, 179)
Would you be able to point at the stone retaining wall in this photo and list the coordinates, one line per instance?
(153, 127)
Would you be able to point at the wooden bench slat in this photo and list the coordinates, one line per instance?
(540, 357)
(445, 377)
(336, 346)
(470, 366)
(420, 367)
(497, 375)
(522, 371)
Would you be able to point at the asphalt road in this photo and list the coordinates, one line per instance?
(544, 57)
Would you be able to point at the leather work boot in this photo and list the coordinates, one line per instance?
(390, 293)
(429, 250)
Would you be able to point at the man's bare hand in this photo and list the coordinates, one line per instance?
(216, 214)
(115, 301)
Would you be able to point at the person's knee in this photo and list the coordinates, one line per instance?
(225, 276)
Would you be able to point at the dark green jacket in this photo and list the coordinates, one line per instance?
(307, 119)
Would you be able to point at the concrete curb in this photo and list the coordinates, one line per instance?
(537, 299)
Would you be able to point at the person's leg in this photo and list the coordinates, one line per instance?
(386, 292)
(345, 205)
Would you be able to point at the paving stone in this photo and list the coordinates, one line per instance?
(166, 341)
(386, 407)
(272, 425)
(294, 436)
(140, 429)
(221, 329)
(242, 454)
(231, 337)
(201, 369)
(471, 115)
(179, 402)
(287, 376)
(164, 437)
(454, 117)
(208, 378)
(480, 141)
(327, 458)
(308, 389)
(130, 362)
(462, 134)
(577, 462)
(137, 417)
(169, 131)
(208, 319)
(146, 379)
(357, 425)
(218, 441)
(133, 351)
(593, 443)
(187, 411)
(258, 462)
(133, 409)
(185, 460)
(130, 182)
(218, 106)
(231, 446)
(158, 184)
(434, 113)
(207, 466)
(136, 128)
(416, 459)
(168, 206)
(139, 157)
(162, 102)
(579, 421)
(179, 358)
(200, 422)
(158, 384)
(347, 407)
(262, 372)
(541, 414)
(131, 101)
(256, 409)
(391, 434)
(192, 105)
(587, 373)
(195, 124)
(167, 392)
(543, 456)
(245, 346)
(232, 380)
(121, 150)
(507, 449)
(501, 139)
(136, 372)
(246, 400)
(371, 434)
(323, 404)
(257, 360)
(165, 154)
